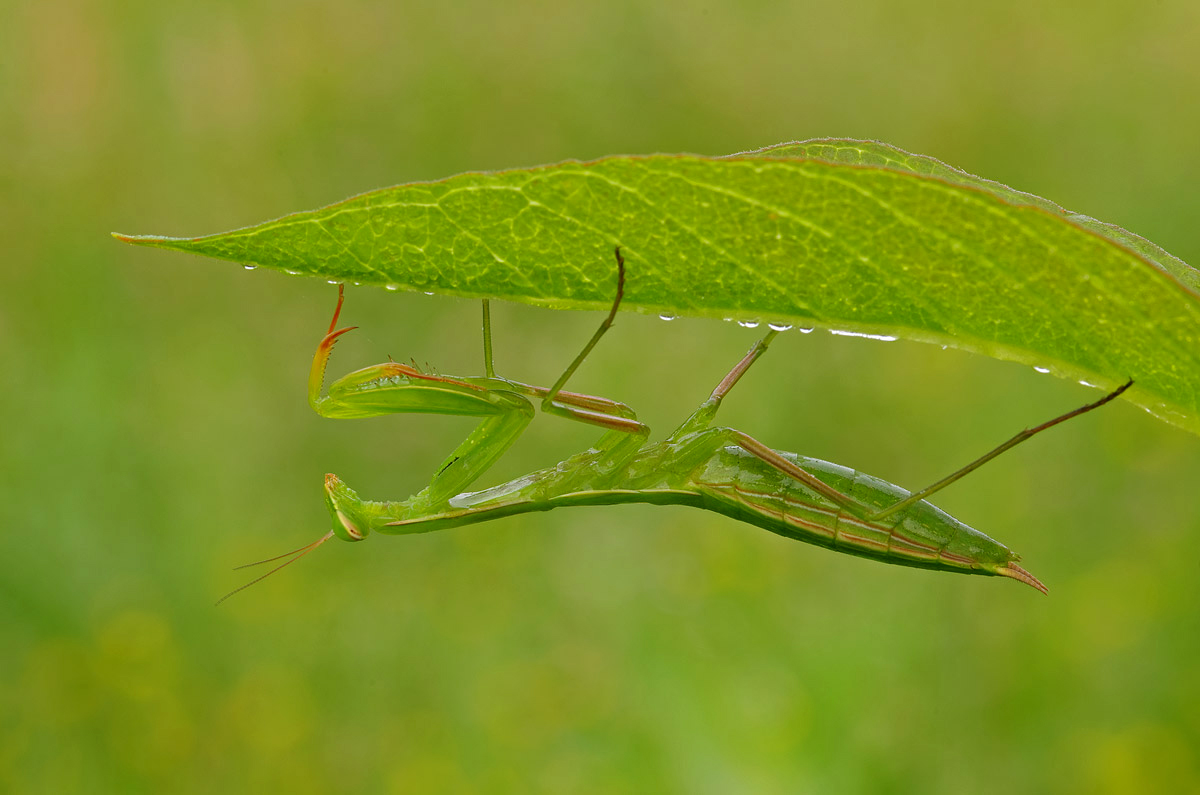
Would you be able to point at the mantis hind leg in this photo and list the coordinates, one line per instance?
(983, 459)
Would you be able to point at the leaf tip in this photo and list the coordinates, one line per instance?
(138, 240)
(155, 241)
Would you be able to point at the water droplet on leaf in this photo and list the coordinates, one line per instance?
(880, 337)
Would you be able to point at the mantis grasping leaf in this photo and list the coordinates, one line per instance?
(718, 469)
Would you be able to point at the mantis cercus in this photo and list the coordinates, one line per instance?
(719, 469)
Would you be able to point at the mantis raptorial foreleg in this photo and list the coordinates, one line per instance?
(504, 406)
(393, 388)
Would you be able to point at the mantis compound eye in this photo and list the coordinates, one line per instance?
(337, 497)
(351, 530)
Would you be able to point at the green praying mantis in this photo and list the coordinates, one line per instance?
(701, 465)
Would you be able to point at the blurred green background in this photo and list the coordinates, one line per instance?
(156, 432)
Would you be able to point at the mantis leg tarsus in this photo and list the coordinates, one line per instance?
(337, 311)
(489, 367)
(1006, 446)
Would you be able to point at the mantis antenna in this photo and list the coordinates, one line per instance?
(298, 553)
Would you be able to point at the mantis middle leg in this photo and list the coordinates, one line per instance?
(624, 434)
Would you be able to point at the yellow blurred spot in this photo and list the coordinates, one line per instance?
(136, 665)
(135, 654)
(1139, 760)
(270, 710)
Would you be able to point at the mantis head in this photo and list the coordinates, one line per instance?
(345, 510)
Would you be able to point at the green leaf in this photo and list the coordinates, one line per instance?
(847, 235)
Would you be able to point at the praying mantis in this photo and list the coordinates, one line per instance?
(699, 465)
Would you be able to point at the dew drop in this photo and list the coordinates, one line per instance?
(666, 317)
(779, 326)
(1042, 370)
(392, 287)
(249, 267)
(291, 272)
(331, 281)
(1085, 383)
(428, 293)
(806, 331)
(880, 337)
(748, 323)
